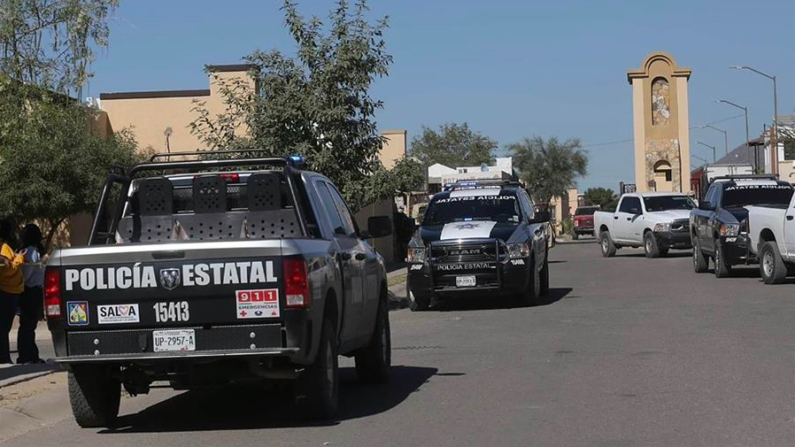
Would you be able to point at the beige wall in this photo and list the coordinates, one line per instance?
(149, 114)
(667, 141)
(394, 148)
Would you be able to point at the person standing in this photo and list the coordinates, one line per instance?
(31, 303)
(11, 286)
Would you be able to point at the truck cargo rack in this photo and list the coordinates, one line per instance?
(746, 177)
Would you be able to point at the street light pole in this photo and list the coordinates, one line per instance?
(774, 139)
(725, 135)
(747, 138)
(702, 159)
(714, 159)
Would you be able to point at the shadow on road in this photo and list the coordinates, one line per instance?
(673, 254)
(250, 407)
(475, 303)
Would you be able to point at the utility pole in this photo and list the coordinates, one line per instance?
(714, 158)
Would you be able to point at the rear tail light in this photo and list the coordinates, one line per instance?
(52, 292)
(296, 283)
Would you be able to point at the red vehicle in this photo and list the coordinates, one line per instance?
(583, 221)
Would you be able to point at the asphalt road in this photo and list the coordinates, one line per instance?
(629, 352)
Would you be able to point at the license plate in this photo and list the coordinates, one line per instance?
(465, 281)
(174, 340)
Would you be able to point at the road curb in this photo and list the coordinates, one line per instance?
(26, 377)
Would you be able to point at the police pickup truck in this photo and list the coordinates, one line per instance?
(482, 239)
(719, 226)
(213, 274)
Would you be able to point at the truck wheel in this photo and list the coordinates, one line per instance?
(416, 303)
(700, 262)
(722, 269)
(374, 360)
(532, 295)
(650, 245)
(318, 386)
(607, 245)
(545, 276)
(95, 396)
(771, 266)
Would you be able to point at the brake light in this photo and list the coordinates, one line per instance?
(296, 284)
(232, 177)
(52, 292)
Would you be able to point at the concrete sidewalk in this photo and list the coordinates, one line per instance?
(12, 374)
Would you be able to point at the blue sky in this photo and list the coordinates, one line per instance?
(509, 68)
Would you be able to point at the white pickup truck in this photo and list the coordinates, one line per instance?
(771, 233)
(657, 221)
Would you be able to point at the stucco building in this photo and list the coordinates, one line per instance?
(161, 120)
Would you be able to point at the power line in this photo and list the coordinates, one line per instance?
(628, 140)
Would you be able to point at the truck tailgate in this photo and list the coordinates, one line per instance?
(151, 295)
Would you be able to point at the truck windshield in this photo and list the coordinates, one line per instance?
(501, 209)
(665, 203)
(743, 195)
(585, 211)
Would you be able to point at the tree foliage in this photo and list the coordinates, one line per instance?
(316, 103)
(604, 197)
(49, 43)
(453, 145)
(53, 164)
(549, 168)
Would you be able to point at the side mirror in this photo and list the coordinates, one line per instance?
(634, 211)
(378, 226)
(705, 206)
(541, 216)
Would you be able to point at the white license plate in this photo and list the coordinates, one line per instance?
(465, 281)
(174, 340)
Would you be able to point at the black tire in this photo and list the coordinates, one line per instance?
(663, 252)
(416, 303)
(650, 246)
(94, 395)
(374, 360)
(532, 294)
(771, 265)
(722, 269)
(700, 261)
(606, 244)
(545, 276)
(317, 394)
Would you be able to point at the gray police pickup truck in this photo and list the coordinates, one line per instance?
(210, 275)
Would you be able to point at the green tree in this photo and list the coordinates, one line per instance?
(604, 197)
(452, 145)
(316, 103)
(50, 43)
(549, 168)
(53, 165)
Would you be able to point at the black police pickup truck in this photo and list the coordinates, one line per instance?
(479, 238)
(204, 272)
(719, 226)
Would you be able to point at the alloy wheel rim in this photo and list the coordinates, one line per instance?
(604, 244)
(767, 264)
(648, 245)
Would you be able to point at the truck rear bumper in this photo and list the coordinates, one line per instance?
(171, 356)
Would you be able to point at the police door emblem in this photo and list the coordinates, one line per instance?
(170, 279)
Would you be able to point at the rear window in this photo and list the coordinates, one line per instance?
(585, 211)
(755, 194)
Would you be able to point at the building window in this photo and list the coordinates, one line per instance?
(660, 102)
